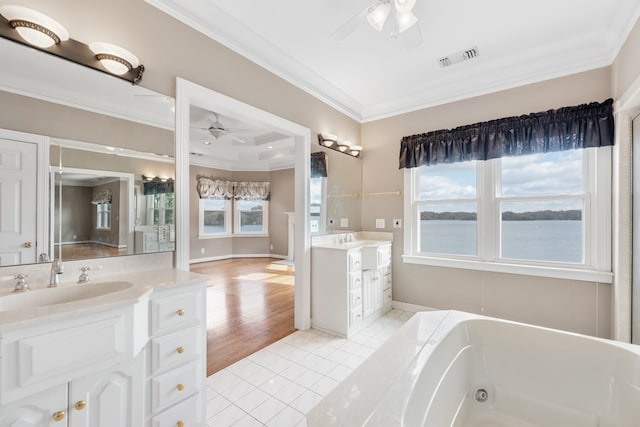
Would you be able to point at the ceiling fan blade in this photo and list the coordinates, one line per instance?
(351, 25)
(235, 138)
(412, 38)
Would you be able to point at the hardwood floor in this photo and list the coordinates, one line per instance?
(87, 250)
(250, 305)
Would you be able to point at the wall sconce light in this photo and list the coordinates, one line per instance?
(346, 147)
(37, 30)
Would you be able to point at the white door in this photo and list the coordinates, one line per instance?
(18, 196)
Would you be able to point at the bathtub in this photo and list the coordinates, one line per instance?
(449, 368)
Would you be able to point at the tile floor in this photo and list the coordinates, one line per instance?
(278, 385)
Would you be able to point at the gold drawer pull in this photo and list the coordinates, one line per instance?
(180, 387)
(180, 349)
(80, 405)
(180, 424)
(180, 312)
(59, 416)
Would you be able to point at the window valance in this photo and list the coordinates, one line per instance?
(158, 186)
(319, 164)
(102, 196)
(210, 188)
(582, 126)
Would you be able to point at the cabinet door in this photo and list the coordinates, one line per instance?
(378, 290)
(38, 410)
(368, 291)
(114, 399)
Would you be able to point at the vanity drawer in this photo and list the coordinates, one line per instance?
(174, 386)
(354, 260)
(387, 298)
(387, 281)
(355, 317)
(174, 349)
(355, 299)
(174, 312)
(355, 281)
(184, 414)
(151, 246)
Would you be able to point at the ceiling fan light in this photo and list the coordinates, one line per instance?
(404, 6)
(405, 21)
(34, 27)
(115, 59)
(377, 15)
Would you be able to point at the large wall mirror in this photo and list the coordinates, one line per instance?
(100, 153)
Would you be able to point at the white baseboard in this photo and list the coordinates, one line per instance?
(231, 256)
(412, 308)
(81, 242)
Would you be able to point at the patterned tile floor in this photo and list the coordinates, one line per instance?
(278, 385)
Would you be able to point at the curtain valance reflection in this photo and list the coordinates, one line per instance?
(102, 196)
(210, 188)
(319, 164)
(582, 126)
(158, 186)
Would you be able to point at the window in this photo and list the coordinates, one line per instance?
(214, 218)
(103, 216)
(317, 205)
(251, 217)
(544, 214)
(160, 208)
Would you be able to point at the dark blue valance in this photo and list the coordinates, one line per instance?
(158, 186)
(319, 164)
(582, 126)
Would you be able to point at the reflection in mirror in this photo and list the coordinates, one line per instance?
(118, 210)
(337, 197)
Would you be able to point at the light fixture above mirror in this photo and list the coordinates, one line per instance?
(32, 28)
(341, 146)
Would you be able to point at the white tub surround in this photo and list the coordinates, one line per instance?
(449, 368)
(125, 349)
(350, 281)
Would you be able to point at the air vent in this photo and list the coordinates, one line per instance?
(457, 57)
(196, 154)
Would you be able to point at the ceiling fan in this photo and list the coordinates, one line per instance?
(218, 130)
(405, 22)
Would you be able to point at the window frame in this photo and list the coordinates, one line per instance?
(227, 221)
(322, 217)
(102, 214)
(596, 225)
(162, 216)
(265, 220)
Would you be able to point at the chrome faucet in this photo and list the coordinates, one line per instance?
(56, 270)
(84, 276)
(21, 284)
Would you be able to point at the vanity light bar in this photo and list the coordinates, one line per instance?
(46, 37)
(345, 147)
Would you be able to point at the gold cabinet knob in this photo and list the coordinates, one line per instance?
(180, 387)
(180, 424)
(59, 416)
(28, 244)
(80, 405)
(180, 349)
(180, 312)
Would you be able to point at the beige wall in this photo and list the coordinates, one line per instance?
(75, 215)
(626, 67)
(576, 306)
(282, 200)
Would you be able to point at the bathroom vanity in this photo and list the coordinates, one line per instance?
(125, 350)
(351, 282)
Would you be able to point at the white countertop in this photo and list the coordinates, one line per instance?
(351, 245)
(143, 283)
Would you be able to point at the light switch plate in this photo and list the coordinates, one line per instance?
(397, 223)
(344, 222)
(380, 223)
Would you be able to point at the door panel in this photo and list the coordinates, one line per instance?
(18, 161)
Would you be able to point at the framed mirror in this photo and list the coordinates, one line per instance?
(83, 132)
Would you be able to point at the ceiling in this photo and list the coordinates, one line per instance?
(369, 75)
(240, 146)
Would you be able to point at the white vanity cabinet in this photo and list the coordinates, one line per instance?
(336, 290)
(350, 285)
(177, 357)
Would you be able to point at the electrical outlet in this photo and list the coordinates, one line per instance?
(270, 247)
(380, 223)
(332, 221)
(344, 222)
(202, 251)
(397, 223)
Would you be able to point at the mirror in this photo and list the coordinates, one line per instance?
(93, 133)
(338, 196)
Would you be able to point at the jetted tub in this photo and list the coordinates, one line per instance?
(463, 370)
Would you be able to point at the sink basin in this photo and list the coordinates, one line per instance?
(61, 295)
